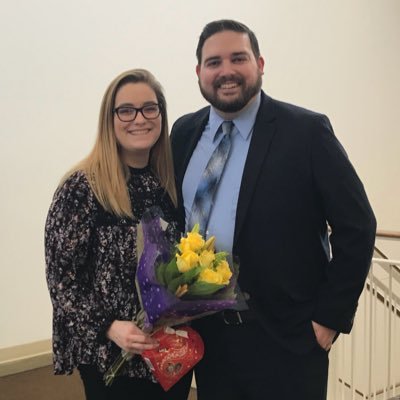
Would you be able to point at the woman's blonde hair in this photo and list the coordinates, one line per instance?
(106, 173)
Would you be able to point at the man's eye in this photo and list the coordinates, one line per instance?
(213, 63)
(239, 59)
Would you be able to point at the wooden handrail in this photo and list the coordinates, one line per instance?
(384, 257)
(380, 233)
(387, 234)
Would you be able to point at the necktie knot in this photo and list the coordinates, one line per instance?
(227, 127)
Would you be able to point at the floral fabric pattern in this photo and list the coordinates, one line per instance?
(91, 265)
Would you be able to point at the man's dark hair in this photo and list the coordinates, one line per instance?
(226, 25)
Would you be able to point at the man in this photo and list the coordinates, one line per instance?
(285, 179)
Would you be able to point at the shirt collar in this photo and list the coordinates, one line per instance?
(244, 122)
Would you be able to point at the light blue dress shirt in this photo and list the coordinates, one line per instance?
(223, 214)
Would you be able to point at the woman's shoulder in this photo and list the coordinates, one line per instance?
(75, 185)
(73, 201)
(75, 178)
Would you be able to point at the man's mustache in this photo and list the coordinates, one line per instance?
(224, 79)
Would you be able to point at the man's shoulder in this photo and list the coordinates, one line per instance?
(286, 109)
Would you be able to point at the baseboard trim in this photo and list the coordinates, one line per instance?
(25, 357)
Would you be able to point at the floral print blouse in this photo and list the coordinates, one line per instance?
(91, 265)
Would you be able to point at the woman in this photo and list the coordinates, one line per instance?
(90, 241)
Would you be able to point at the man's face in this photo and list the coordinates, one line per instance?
(229, 74)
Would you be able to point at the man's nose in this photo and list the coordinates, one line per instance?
(227, 68)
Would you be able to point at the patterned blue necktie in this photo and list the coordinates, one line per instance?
(204, 197)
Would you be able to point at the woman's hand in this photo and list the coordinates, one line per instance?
(130, 338)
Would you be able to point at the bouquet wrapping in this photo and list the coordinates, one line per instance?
(160, 302)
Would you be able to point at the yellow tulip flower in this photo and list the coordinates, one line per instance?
(206, 258)
(193, 242)
(208, 275)
(225, 272)
(186, 261)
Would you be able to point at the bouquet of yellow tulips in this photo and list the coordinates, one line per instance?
(186, 282)
(195, 269)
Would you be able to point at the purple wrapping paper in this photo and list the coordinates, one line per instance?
(160, 306)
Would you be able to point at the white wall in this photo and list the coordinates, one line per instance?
(339, 57)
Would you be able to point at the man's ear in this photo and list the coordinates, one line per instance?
(260, 64)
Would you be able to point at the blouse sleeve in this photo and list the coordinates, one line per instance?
(77, 313)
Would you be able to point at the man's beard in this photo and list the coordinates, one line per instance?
(247, 93)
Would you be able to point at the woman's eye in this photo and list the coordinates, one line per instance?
(126, 111)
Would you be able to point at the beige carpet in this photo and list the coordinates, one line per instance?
(41, 384)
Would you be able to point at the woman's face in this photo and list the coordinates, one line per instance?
(136, 137)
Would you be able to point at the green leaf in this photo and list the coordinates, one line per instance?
(219, 257)
(160, 273)
(185, 278)
(195, 228)
(203, 288)
(171, 271)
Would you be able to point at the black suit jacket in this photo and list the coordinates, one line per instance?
(297, 179)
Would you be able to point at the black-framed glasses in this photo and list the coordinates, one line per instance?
(128, 113)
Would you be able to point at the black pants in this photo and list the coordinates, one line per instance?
(244, 363)
(124, 388)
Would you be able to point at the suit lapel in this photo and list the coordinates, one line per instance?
(190, 143)
(264, 129)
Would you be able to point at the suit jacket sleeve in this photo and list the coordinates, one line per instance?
(353, 225)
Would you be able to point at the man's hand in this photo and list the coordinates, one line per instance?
(324, 335)
(130, 338)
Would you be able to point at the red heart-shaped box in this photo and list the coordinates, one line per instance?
(179, 351)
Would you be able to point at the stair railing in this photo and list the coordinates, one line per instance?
(366, 363)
